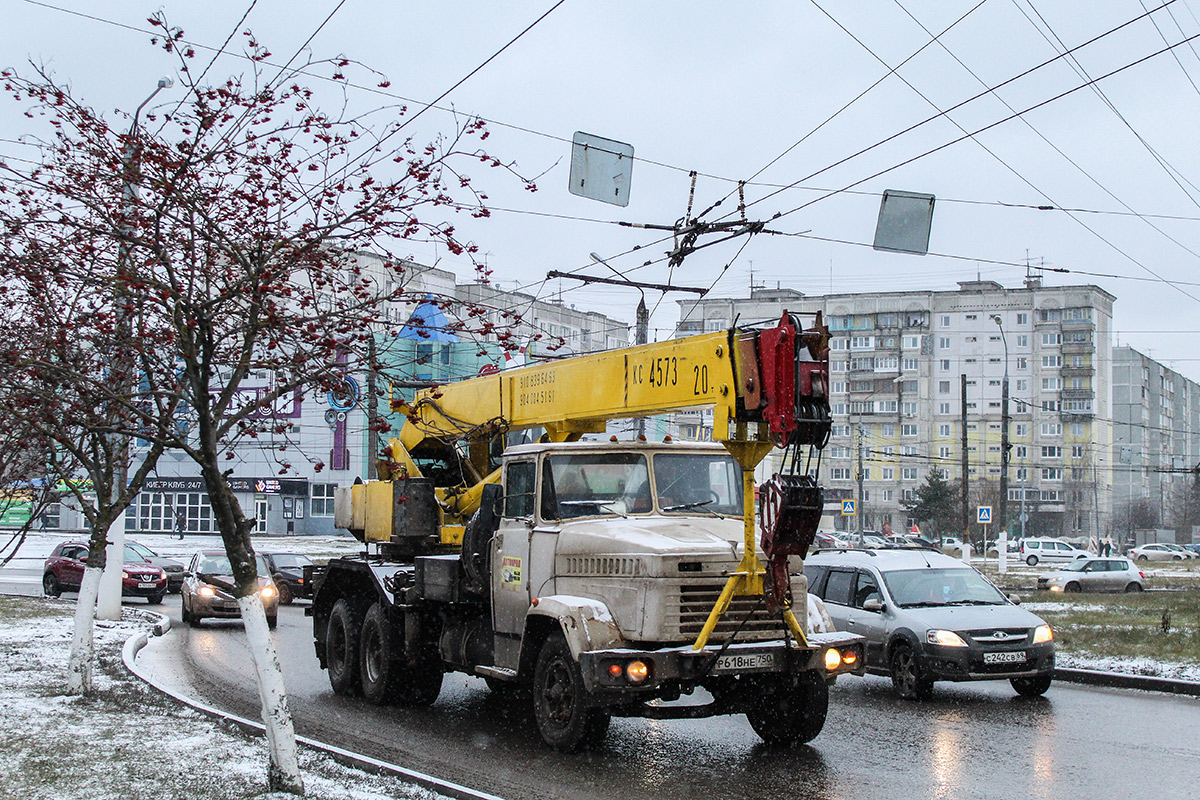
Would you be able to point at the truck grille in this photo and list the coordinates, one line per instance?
(696, 602)
(596, 565)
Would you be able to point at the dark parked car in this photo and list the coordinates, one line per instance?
(929, 617)
(287, 570)
(201, 599)
(173, 568)
(63, 572)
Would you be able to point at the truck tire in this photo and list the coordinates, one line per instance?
(560, 708)
(341, 648)
(388, 674)
(790, 710)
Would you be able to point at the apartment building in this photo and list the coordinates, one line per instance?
(1156, 441)
(899, 363)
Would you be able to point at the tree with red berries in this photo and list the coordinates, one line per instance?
(240, 231)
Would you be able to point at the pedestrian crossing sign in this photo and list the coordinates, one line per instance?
(985, 515)
(847, 508)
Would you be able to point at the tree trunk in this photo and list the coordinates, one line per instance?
(83, 651)
(283, 772)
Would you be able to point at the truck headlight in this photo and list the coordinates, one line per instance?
(945, 638)
(1042, 634)
(637, 671)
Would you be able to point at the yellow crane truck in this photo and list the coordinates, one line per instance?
(604, 577)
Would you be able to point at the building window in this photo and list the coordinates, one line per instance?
(1022, 429)
(1052, 473)
(945, 365)
(322, 499)
(840, 473)
(1051, 339)
(944, 429)
(1051, 429)
(1051, 384)
(943, 342)
(910, 342)
(908, 473)
(1051, 361)
(889, 473)
(1022, 318)
(943, 387)
(944, 408)
(910, 364)
(1022, 340)
(1052, 451)
(944, 452)
(908, 430)
(1022, 362)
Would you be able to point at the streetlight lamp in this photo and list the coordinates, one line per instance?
(108, 601)
(1002, 545)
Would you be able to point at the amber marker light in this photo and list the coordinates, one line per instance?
(849, 658)
(637, 672)
(833, 659)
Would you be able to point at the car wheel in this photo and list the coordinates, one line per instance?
(1031, 561)
(183, 613)
(193, 618)
(790, 710)
(1142, 558)
(907, 679)
(285, 593)
(51, 586)
(1031, 687)
(1177, 558)
(560, 708)
(272, 622)
(1072, 587)
(341, 648)
(1133, 587)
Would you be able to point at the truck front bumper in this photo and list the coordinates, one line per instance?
(619, 670)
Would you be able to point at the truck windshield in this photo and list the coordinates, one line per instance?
(587, 484)
(688, 483)
(941, 587)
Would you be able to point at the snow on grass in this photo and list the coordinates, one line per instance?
(126, 740)
(1133, 666)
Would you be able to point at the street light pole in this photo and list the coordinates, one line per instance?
(108, 600)
(1004, 444)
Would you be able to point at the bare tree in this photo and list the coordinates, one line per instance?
(224, 246)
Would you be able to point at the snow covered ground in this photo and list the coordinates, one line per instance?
(128, 741)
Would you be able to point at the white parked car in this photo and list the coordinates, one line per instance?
(1106, 574)
(1035, 550)
(1157, 552)
(1178, 548)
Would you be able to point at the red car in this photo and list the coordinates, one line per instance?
(63, 572)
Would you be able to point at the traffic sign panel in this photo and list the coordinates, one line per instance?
(847, 508)
(985, 515)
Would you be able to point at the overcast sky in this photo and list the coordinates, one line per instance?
(725, 89)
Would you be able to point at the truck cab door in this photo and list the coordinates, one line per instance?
(510, 560)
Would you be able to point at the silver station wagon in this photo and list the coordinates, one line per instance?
(928, 617)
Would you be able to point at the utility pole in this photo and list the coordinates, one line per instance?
(108, 599)
(966, 464)
(862, 508)
(1004, 444)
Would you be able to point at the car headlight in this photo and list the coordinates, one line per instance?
(125, 575)
(945, 638)
(206, 591)
(267, 592)
(1042, 633)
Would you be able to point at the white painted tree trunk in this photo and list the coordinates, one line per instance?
(109, 605)
(83, 650)
(283, 771)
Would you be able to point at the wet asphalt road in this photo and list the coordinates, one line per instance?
(971, 741)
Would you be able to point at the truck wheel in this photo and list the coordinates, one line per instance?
(1031, 687)
(387, 674)
(560, 702)
(341, 648)
(907, 679)
(791, 710)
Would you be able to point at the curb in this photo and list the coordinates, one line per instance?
(134, 645)
(1121, 680)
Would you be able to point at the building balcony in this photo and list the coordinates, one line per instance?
(1078, 348)
(1077, 372)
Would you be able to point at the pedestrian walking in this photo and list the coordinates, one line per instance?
(180, 524)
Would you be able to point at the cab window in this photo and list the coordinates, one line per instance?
(518, 489)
